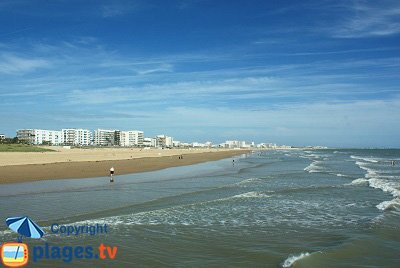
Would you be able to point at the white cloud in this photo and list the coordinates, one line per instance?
(11, 64)
(368, 19)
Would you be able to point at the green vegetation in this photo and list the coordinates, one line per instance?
(22, 148)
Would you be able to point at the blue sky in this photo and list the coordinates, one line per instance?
(290, 72)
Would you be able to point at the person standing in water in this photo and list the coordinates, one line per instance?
(112, 174)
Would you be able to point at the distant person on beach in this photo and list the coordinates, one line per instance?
(112, 174)
(393, 163)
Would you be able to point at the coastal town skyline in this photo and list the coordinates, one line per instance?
(312, 72)
(123, 138)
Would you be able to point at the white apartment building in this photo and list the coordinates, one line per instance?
(106, 137)
(2, 136)
(164, 141)
(149, 142)
(176, 143)
(131, 138)
(40, 136)
(79, 137)
(238, 144)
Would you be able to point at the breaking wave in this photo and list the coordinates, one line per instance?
(314, 168)
(294, 258)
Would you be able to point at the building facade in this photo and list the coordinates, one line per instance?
(40, 136)
(77, 137)
(164, 141)
(131, 138)
(106, 137)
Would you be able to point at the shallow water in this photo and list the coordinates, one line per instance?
(324, 208)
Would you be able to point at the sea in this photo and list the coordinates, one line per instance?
(286, 208)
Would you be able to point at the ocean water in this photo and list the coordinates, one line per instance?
(317, 208)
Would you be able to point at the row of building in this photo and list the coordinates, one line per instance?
(81, 137)
(109, 137)
(100, 137)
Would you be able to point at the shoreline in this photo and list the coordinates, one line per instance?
(100, 168)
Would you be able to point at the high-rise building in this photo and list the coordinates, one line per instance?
(131, 138)
(106, 137)
(40, 136)
(164, 141)
(149, 142)
(78, 137)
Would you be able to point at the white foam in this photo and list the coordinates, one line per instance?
(247, 181)
(251, 195)
(371, 173)
(314, 168)
(387, 205)
(5, 232)
(386, 186)
(359, 181)
(340, 175)
(293, 258)
(371, 160)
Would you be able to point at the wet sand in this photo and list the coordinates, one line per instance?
(14, 173)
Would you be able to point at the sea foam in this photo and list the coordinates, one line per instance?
(314, 168)
(371, 160)
(293, 258)
(359, 181)
(387, 205)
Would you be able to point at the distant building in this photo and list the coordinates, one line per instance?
(164, 141)
(106, 137)
(26, 135)
(40, 136)
(131, 138)
(2, 137)
(77, 137)
(238, 144)
(176, 143)
(149, 142)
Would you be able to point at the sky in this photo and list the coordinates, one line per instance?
(288, 72)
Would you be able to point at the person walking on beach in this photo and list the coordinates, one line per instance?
(111, 174)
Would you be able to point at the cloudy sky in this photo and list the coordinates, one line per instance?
(290, 72)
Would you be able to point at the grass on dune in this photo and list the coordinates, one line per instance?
(22, 148)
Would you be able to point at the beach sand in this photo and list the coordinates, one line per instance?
(86, 163)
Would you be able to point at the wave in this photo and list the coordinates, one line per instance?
(367, 159)
(200, 214)
(358, 181)
(314, 168)
(294, 258)
(386, 186)
(247, 181)
(379, 179)
(371, 173)
(388, 205)
(249, 195)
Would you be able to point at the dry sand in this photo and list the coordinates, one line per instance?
(85, 163)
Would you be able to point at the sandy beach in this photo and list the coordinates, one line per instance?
(86, 163)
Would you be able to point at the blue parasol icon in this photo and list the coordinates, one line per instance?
(25, 227)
